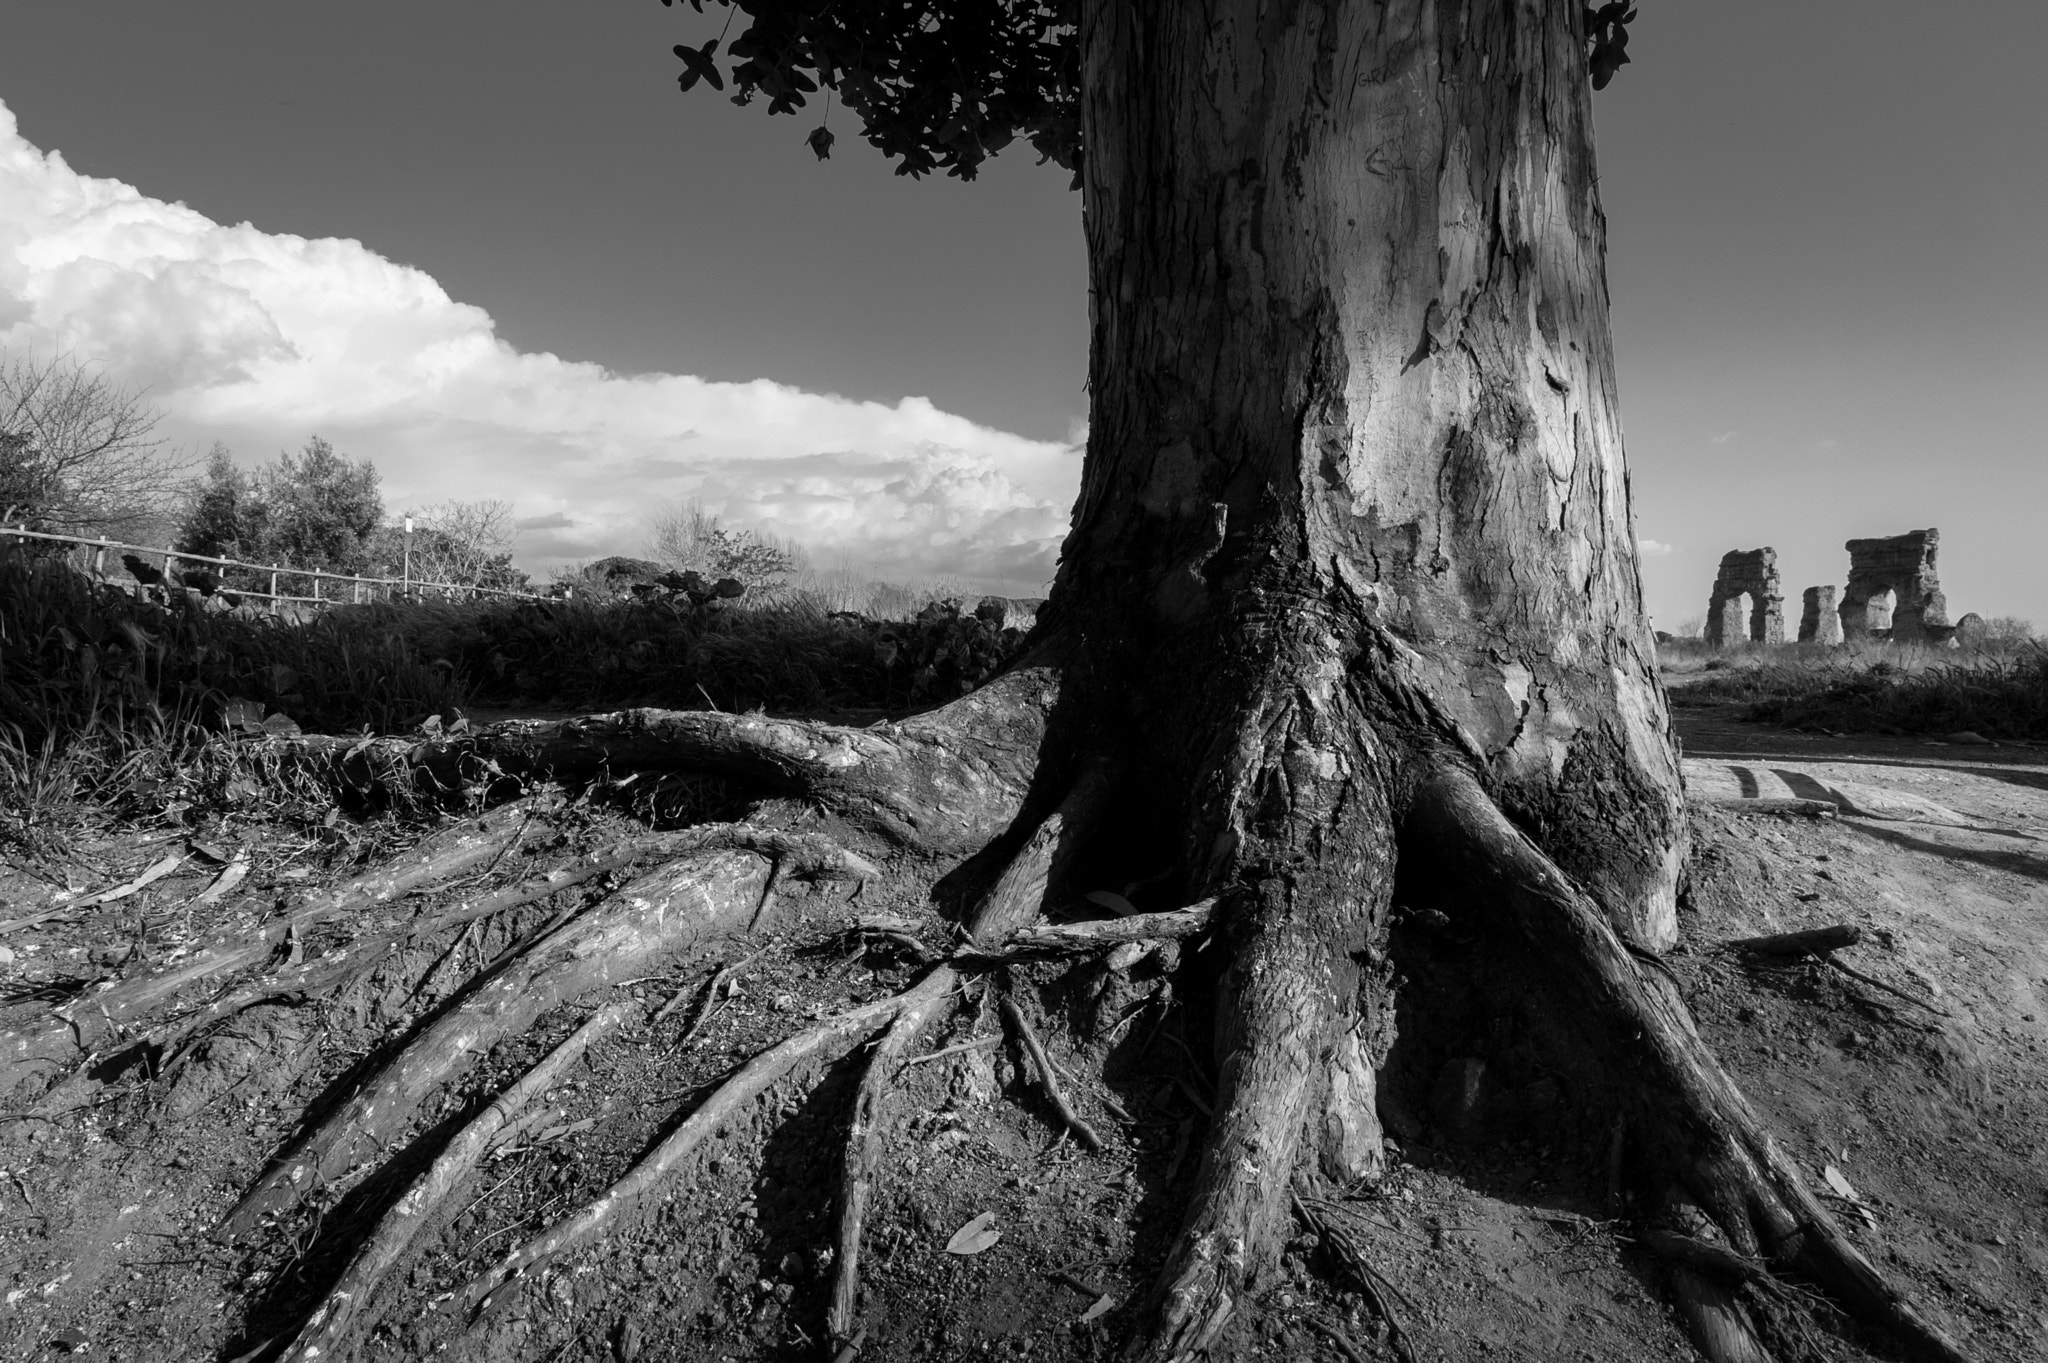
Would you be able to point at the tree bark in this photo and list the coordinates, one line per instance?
(1353, 398)
(1354, 505)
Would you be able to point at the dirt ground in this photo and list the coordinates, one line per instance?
(1497, 1228)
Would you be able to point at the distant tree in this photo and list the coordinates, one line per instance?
(467, 544)
(219, 507)
(78, 452)
(315, 509)
(685, 537)
(2008, 629)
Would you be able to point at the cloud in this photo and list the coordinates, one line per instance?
(262, 339)
(1723, 438)
(1649, 548)
(1827, 443)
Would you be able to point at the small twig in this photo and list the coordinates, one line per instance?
(1079, 1284)
(1377, 1289)
(1338, 1338)
(1828, 938)
(1856, 974)
(979, 1043)
(1048, 1079)
(720, 982)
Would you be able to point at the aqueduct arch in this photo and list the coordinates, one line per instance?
(1751, 573)
(1902, 565)
(1819, 622)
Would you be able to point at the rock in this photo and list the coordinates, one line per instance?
(1970, 738)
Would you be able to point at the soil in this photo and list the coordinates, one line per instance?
(1498, 1225)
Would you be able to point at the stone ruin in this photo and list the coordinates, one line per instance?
(1893, 592)
(1751, 573)
(1818, 623)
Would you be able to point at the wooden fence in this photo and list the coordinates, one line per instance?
(360, 589)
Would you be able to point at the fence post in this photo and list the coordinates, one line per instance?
(99, 561)
(273, 588)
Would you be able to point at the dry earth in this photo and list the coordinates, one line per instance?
(1497, 1227)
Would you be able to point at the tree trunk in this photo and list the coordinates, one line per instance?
(1353, 406)
(1354, 505)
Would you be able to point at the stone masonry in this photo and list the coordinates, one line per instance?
(1904, 566)
(1752, 573)
(1818, 623)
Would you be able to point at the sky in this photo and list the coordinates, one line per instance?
(511, 260)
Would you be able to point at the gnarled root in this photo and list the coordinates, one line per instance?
(823, 1043)
(1277, 1024)
(625, 936)
(924, 1007)
(328, 1327)
(460, 847)
(946, 780)
(1700, 1130)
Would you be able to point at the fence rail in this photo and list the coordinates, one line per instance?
(359, 584)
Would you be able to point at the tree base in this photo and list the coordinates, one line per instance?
(1015, 1069)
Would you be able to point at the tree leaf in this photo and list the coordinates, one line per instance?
(976, 1236)
(820, 142)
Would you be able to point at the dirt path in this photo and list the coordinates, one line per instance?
(1501, 1235)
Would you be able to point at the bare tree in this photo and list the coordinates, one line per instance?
(466, 543)
(79, 452)
(686, 537)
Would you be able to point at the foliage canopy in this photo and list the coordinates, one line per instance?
(946, 84)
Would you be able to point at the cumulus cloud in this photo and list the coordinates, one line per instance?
(1649, 548)
(1723, 438)
(261, 339)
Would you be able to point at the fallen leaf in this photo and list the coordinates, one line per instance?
(976, 1236)
(149, 877)
(1104, 1304)
(1111, 900)
(227, 880)
(1840, 1183)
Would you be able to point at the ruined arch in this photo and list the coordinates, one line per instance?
(1902, 565)
(1751, 573)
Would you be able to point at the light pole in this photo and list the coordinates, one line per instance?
(408, 558)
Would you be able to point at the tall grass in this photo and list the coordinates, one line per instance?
(1998, 691)
(111, 701)
(107, 701)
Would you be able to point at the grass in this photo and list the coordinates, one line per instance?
(1999, 691)
(112, 705)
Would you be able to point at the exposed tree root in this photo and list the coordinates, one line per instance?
(1069, 939)
(822, 1043)
(1300, 902)
(625, 936)
(1703, 1133)
(925, 1006)
(1048, 1078)
(326, 974)
(1706, 1298)
(461, 846)
(327, 1330)
(947, 780)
